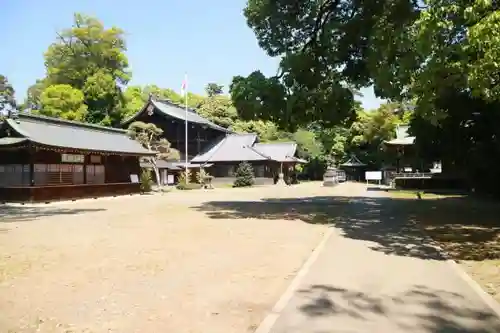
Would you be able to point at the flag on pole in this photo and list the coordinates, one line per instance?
(184, 86)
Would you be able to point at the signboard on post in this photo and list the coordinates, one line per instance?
(373, 175)
(134, 178)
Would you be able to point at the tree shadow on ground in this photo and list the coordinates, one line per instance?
(419, 309)
(24, 213)
(468, 229)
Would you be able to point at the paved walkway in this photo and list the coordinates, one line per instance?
(376, 274)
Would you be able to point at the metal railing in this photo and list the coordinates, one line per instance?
(406, 175)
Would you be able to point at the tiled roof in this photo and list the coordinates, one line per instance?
(243, 147)
(353, 161)
(173, 110)
(70, 134)
(231, 148)
(278, 151)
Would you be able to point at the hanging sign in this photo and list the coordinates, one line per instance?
(72, 158)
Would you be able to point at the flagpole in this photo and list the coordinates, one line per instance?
(186, 123)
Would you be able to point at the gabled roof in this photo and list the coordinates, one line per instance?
(170, 109)
(243, 147)
(353, 161)
(278, 151)
(231, 148)
(73, 135)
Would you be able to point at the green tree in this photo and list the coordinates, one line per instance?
(134, 99)
(219, 110)
(91, 58)
(33, 95)
(328, 50)
(452, 74)
(214, 89)
(267, 131)
(150, 137)
(244, 175)
(7, 98)
(62, 101)
(308, 145)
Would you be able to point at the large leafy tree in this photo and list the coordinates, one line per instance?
(455, 83)
(90, 58)
(62, 101)
(328, 49)
(219, 110)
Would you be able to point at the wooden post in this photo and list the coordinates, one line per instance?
(198, 141)
(85, 168)
(32, 164)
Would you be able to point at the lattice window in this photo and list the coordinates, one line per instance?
(58, 174)
(14, 175)
(95, 174)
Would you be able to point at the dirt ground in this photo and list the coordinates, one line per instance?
(149, 263)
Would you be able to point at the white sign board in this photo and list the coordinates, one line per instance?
(373, 175)
(134, 178)
(72, 158)
(170, 179)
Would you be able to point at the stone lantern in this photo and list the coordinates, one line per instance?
(330, 178)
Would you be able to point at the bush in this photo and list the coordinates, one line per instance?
(146, 180)
(201, 176)
(189, 186)
(185, 176)
(244, 175)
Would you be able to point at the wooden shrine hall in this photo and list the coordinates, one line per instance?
(45, 159)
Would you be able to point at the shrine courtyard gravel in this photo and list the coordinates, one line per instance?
(152, 263)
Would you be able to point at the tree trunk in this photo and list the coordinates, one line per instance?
(157, 175)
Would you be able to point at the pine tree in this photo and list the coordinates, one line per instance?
(244, 175)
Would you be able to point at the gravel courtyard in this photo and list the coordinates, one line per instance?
(148, 263)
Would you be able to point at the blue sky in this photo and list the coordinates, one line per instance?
(165, 38)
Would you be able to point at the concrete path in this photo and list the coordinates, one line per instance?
(377, 274)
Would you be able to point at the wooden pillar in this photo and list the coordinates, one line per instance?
(31, 150)
(103, 162)
(85, 157)
(198, 141)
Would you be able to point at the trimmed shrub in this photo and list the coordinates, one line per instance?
(188, 186)
(244, 175)
(146, 180)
